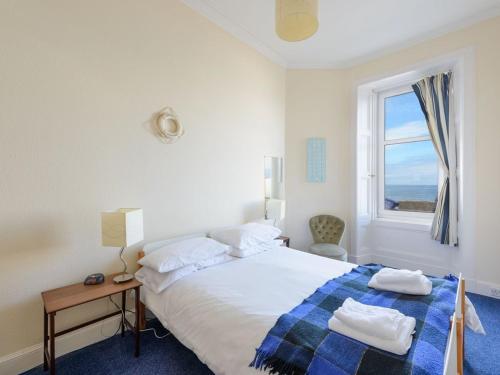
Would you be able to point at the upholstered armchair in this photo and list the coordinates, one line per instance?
(327, 232)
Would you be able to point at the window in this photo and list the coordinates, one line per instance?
(408, 175)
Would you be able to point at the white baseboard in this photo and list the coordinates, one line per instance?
(26, 359)
(486, 289)
(428, 268)
(360, 259)
(391, 259)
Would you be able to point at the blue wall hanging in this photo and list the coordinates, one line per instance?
(316, 160)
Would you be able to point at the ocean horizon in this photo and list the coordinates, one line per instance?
(399, 193)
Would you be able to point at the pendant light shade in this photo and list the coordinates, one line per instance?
(296, 19)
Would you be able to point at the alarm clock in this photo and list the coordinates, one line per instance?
(94, 279)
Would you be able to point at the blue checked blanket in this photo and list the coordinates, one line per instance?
(301, 343)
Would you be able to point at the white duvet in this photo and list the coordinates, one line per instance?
(224, 312)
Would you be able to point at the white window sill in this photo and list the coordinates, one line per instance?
(403, 223)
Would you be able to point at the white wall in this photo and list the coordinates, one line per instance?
(79, 82)
(406, 245)
(330, 118)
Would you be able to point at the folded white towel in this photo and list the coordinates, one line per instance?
(375, 321)
(472, 319)
(390, 275)
(399, 346)
(401, 281)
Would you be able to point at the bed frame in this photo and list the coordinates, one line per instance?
(454, 354)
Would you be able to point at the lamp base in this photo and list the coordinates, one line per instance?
(123, 278)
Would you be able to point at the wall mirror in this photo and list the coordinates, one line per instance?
(273, 177)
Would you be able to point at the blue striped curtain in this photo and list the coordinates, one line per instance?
(434, 96)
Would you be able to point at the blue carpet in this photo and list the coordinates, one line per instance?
(116, 356)
(482, 353)
(168, 356)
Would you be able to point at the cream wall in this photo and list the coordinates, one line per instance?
(79, 82)
(316, 106)
(330, 120)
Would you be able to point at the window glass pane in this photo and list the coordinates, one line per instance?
(404, 117)
(411, 177)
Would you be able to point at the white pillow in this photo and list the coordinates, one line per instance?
(246, 236)
(183, 253)
(157, 282)
(239, 253)
(223, 258)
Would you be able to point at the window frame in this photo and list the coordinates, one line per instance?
(380, 144)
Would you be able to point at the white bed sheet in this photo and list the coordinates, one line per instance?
(223, 313)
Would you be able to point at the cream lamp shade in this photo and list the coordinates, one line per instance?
(275, 209)
(296, 20)
(122, 228)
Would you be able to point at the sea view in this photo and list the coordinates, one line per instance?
(399, 193)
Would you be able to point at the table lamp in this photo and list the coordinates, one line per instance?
(122, 228)
(275, 210)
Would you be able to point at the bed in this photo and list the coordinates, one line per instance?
(222, 313)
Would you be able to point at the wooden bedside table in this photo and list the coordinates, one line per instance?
(77, 294)
(285, 239)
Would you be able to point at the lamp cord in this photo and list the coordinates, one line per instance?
(123, 260)
(126, 327)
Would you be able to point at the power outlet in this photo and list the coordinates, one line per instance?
(495, 292)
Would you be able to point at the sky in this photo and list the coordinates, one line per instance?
(409, 163)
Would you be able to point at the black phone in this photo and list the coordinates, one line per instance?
(94, 279)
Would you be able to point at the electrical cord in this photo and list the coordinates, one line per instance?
(126, 327)
(119, 326)
(156, 335)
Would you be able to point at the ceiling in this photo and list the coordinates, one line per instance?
(350, 31)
